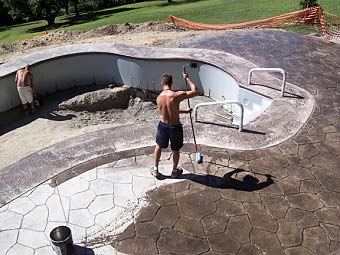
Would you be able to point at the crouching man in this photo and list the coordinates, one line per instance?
(25, 87)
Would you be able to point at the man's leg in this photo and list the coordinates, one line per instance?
(32, 107)
(162, 141)
(24, 106)
(176, 172)
(176, 140)
(157, 155)
(175, 160)
(31, 100)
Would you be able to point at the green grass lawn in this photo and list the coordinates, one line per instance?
(205, 11)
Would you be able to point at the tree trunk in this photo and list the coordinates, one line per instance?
(50, 19)
(76, 8)
(67, 7)
(49, 15)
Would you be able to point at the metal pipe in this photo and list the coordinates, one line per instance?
(271, 70)
(221, 103)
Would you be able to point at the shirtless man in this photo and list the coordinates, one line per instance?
(169, 127)
(25, 86)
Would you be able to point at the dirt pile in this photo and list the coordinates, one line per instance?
(131, 28)
(69, 36)
(137, 111)
(88, 106)
(99, 100)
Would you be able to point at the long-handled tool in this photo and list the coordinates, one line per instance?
(198, 155)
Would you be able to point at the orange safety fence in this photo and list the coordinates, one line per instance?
(329, 23)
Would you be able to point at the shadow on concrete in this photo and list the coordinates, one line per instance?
(15, 118)
(79, 250)
(232, 127)
(286, 94)
(248, 183)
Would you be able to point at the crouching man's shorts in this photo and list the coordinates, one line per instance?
(25, 94)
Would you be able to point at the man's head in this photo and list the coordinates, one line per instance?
(28, 67)
(166, 80)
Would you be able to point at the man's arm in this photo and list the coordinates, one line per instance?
(185, 111)
(182, 95)
(16, 78)
(193, 92)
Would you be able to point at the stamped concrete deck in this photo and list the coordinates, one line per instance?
(279, 200)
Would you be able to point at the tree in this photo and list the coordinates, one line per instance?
(5, 18)
(46, 9)
(76, 7)
(308, 3)
(66, 6)
(18, 9)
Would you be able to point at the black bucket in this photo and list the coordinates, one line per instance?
(61, 238)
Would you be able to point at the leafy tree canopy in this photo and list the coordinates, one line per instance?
(308, 3)
(18, 9)
(47, 9)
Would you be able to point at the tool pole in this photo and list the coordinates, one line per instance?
(192, 124)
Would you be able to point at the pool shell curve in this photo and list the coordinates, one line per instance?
(279, 122)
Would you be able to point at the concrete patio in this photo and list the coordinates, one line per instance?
(284, 199)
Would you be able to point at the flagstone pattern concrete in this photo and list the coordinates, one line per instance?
(278, 200)
(290, 216)
(96, 205)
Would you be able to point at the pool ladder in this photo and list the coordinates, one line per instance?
(226, 102)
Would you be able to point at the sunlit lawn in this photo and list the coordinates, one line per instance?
(205, 11)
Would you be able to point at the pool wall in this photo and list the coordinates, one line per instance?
(280, 121)
(56, 73)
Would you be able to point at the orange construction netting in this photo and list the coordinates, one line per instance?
(329, 23)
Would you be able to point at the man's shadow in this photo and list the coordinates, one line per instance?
(79, 250)
(249, 182)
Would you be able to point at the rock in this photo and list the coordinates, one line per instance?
(99, 100)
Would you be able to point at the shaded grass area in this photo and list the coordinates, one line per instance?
(305, 30)
(86, 18)
(204, 11)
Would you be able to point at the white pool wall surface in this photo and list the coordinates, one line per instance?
(254, 105)
(64, 72)
(221, 86)
(89, 63)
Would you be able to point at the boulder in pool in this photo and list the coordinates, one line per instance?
(99, 100)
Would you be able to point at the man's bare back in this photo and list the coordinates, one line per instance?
(168, 102)
(24, 78)
(168, 105)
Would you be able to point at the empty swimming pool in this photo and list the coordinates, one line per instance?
(80, 69)
(269, 118)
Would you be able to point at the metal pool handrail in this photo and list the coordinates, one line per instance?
(272, 70)
(221, 103)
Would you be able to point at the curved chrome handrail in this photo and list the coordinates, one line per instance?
(272, 70)
(222, 103)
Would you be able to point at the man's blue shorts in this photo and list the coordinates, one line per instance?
(166, 132)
